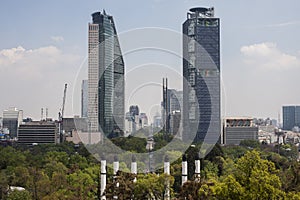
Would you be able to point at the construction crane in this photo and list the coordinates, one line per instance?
(61, 116)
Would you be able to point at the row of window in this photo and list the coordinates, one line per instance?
(93, 27)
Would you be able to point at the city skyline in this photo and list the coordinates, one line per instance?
(260, 63)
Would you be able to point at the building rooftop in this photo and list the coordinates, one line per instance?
(202, 12)
(39, 123)
(238, 117)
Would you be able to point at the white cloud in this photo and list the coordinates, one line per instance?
(31, 62)
(57, 38)
(283, 24)
(34, 78)
(268, 56)
(10, 56)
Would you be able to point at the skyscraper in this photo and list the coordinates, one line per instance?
(171, 104)
(291, 117)
(105, 76)
(201, 71)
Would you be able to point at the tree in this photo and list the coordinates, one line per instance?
(57, 156)
(82, 185)
(152, 186)
(58, 182)
(130, 143)
(189, 190)
(121, 185)
(18, 176)
(161, 139)
(293, 196)
(3, 185)
(11, 157)
(235, 152)
(19, 195)
(228, 167)
(229, 189)
(252, 144)
(55, 166)
(258, 177)
(77, 162)
(210, 170)
(291, 177)
(207, 190)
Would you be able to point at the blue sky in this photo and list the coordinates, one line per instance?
(43, 44)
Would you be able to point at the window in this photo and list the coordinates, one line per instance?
(191, 29)
(192, 78)
(192, 61)
(191, 46)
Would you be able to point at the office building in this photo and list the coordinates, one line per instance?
(1, 123)
(236, 129)
(75, 123)
(84, 98)
(12, 119)
(143, 120)
(175, 100)
(201, 71)
(133, 119)
(291, 117)
(105, 76)
(134, 110)
(175, 120)
(128, 125)
(38, 132)
(157, 121)
(172, 100)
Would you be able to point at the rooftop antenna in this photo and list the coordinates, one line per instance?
(46, 113)
(42, 114)
(279, 123)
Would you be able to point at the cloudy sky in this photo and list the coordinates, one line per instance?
(44, 45)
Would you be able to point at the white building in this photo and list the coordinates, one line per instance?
(12, 118)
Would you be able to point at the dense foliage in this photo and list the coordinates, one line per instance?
(68, 171)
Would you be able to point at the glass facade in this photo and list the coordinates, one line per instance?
(106, 76)
(201, 71)
(291, 117)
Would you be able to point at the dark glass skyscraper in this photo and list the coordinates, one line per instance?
(291, 117)
(105, 76)
(201, 71)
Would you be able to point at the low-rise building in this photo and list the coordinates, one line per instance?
(38, 132)
(236, 129)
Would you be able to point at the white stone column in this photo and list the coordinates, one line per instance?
(167, 171)
(115, 170)
(134, 167)
(184, 169)
(197, 168)
(103, 178)
(116, 165)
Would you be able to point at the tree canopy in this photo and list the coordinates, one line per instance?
(68, 171)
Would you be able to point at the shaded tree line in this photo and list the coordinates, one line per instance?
(68, 171)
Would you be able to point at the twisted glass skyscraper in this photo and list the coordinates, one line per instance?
(105, 76)
(201, 71)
